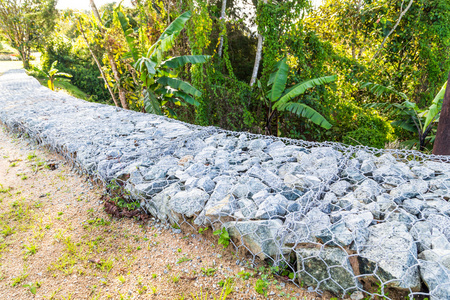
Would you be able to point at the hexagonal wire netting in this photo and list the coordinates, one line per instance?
(337, 218)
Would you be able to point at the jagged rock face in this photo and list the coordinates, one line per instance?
(309, 206)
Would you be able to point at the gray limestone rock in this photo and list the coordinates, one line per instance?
(266, 176)
(391, 254)
(189, 203)
(337, 235)
(247, 208)
(368, 190)
(220, 209)
(385, 159)
(352, 174)
(206, 184)
(409, 190)
(340, 188)
(438, 240)
(423, 172)
(159, 204)
(367, 167)
(248, 186)
(400, 215)
(258, 144)
(359, 220)
(437, 166)
(437, 279)
(399, 170)
(154, 187)
(305, 228)
(421, 232)
(272, 207)
(414, 206)
(328, 269)
(257, 236)
(440, 256)
(155, 172)
(302, 182)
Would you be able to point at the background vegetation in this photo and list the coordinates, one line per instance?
(387, 60)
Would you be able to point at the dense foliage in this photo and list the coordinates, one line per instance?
(356, 71)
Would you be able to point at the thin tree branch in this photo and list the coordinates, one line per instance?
(403, 12)
(98, 65)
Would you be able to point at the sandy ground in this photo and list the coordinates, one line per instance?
(56, 242)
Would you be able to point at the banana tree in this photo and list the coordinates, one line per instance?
(53, 74)
(160, 76)
(284, 99)
(410, 116)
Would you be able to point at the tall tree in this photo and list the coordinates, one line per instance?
(258, 56)
(112, 62)
(222, 19)
(442, 141)
(26, 23)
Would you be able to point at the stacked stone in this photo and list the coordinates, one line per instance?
(338, 217)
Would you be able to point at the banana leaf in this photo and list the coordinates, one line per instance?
(303, 110)
(179, 85)
(435, 107)
(176, 26)
(279, 80)
(151, 103)
(176, 62)
(301, 88)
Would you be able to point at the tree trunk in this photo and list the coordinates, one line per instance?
(222, 17)
(442, 141)
(98, 66)
(25, 60)
(257, 57)
(112, 62)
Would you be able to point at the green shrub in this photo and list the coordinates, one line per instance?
(76, 60)
(358, 126)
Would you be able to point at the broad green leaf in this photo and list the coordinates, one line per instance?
(52, 72)
(176, 26)
(145, 66)
(150, 65)
(63, 74)
(53, 66)
(405, 124)
(127, 31)
(176, 62)
(301, 88)
(188, 99)
(411, 105)
(179, 85)
(279, 80)
(435, 107)
(274, 71)
(161, 47)
(379, 90)
(303, 110)
(151, 103)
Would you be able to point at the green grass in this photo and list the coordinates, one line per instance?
(66, 86)
(71, 89)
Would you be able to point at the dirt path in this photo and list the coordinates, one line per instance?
(56, 242)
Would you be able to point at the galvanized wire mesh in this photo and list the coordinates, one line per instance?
(337, 218)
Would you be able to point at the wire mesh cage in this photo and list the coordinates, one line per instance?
(350, 220)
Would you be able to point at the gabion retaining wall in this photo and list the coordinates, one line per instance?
(349, 220)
